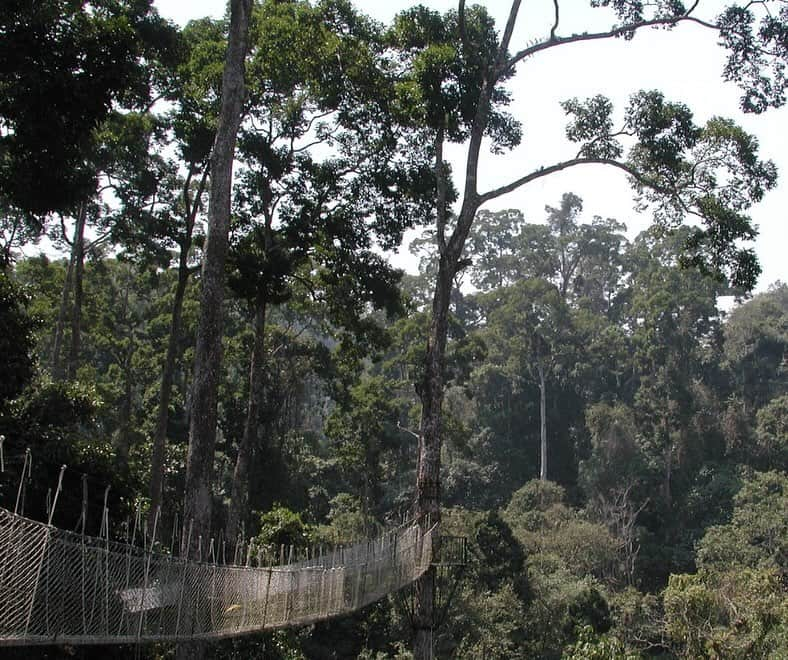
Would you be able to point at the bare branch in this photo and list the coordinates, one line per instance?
(308, 286)
(407, 430)
(63, 229)
(99, 240)
(555, 24)
(327, 137)
(191, 216)
(608, 34)
(440, 177)
(502, 63)
(187, 202)
(558, 167)
(317, 117)
(290, 340)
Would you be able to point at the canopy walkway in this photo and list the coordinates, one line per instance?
(61, 587)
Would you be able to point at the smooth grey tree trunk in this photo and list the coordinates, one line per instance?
(208, 353)
(158, 457)
(60, 326)
(542, 422)
(239, 496)
(159, 454)
(431, 388)
(123, 441)
(78, 250)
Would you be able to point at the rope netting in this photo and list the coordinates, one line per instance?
(61, 587)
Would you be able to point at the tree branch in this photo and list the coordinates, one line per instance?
(187, 202)
(503, 63)
(555, 24)
(407, 430)
(614, 32)
(440, 176)
(99, 240)
(63, 229)
(558, 167)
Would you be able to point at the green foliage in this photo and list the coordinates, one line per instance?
(562, 604)
(493, 625)
(757, 535)
(557, 536)
(712, 172)
(500, 556)
(16, 339)
(348, 521)
(758, 71)
(365, 438)
(616, 459)
(756, 338)
(658, 409)
(283, 527)
(591, 646)
(771, 433)
(55, 421)
(487, 616)
(64, 67)
(534, 497)
(733, 614)
(639, 621)
(440, 82)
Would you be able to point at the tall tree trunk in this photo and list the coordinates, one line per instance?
(239, 497)
(124, 432)
(431, 393)
(667, 443)
(123, 444)
(667, 486)
(60, 326)
(431, 389)
(197, 507)
(159, 454)
(542, 422)
(78, 250)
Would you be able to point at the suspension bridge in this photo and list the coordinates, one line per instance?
(61, 587)
(64, 587)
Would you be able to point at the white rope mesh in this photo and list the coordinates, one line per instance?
(57, 586)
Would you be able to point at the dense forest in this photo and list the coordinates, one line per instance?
(567, 396)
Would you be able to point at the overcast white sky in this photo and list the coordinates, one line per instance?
(684, 63)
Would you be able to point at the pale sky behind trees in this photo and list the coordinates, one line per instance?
(684, 63)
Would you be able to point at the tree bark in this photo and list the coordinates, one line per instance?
(431, 387)
(159, 455)
(239, 497)
(542, 422)
(431, 392)
(57, 342)
(78, 250)
(208, 354)
(123, 443)
(666, 489)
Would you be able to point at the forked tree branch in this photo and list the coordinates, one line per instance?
(619, 31)
(502, 62)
